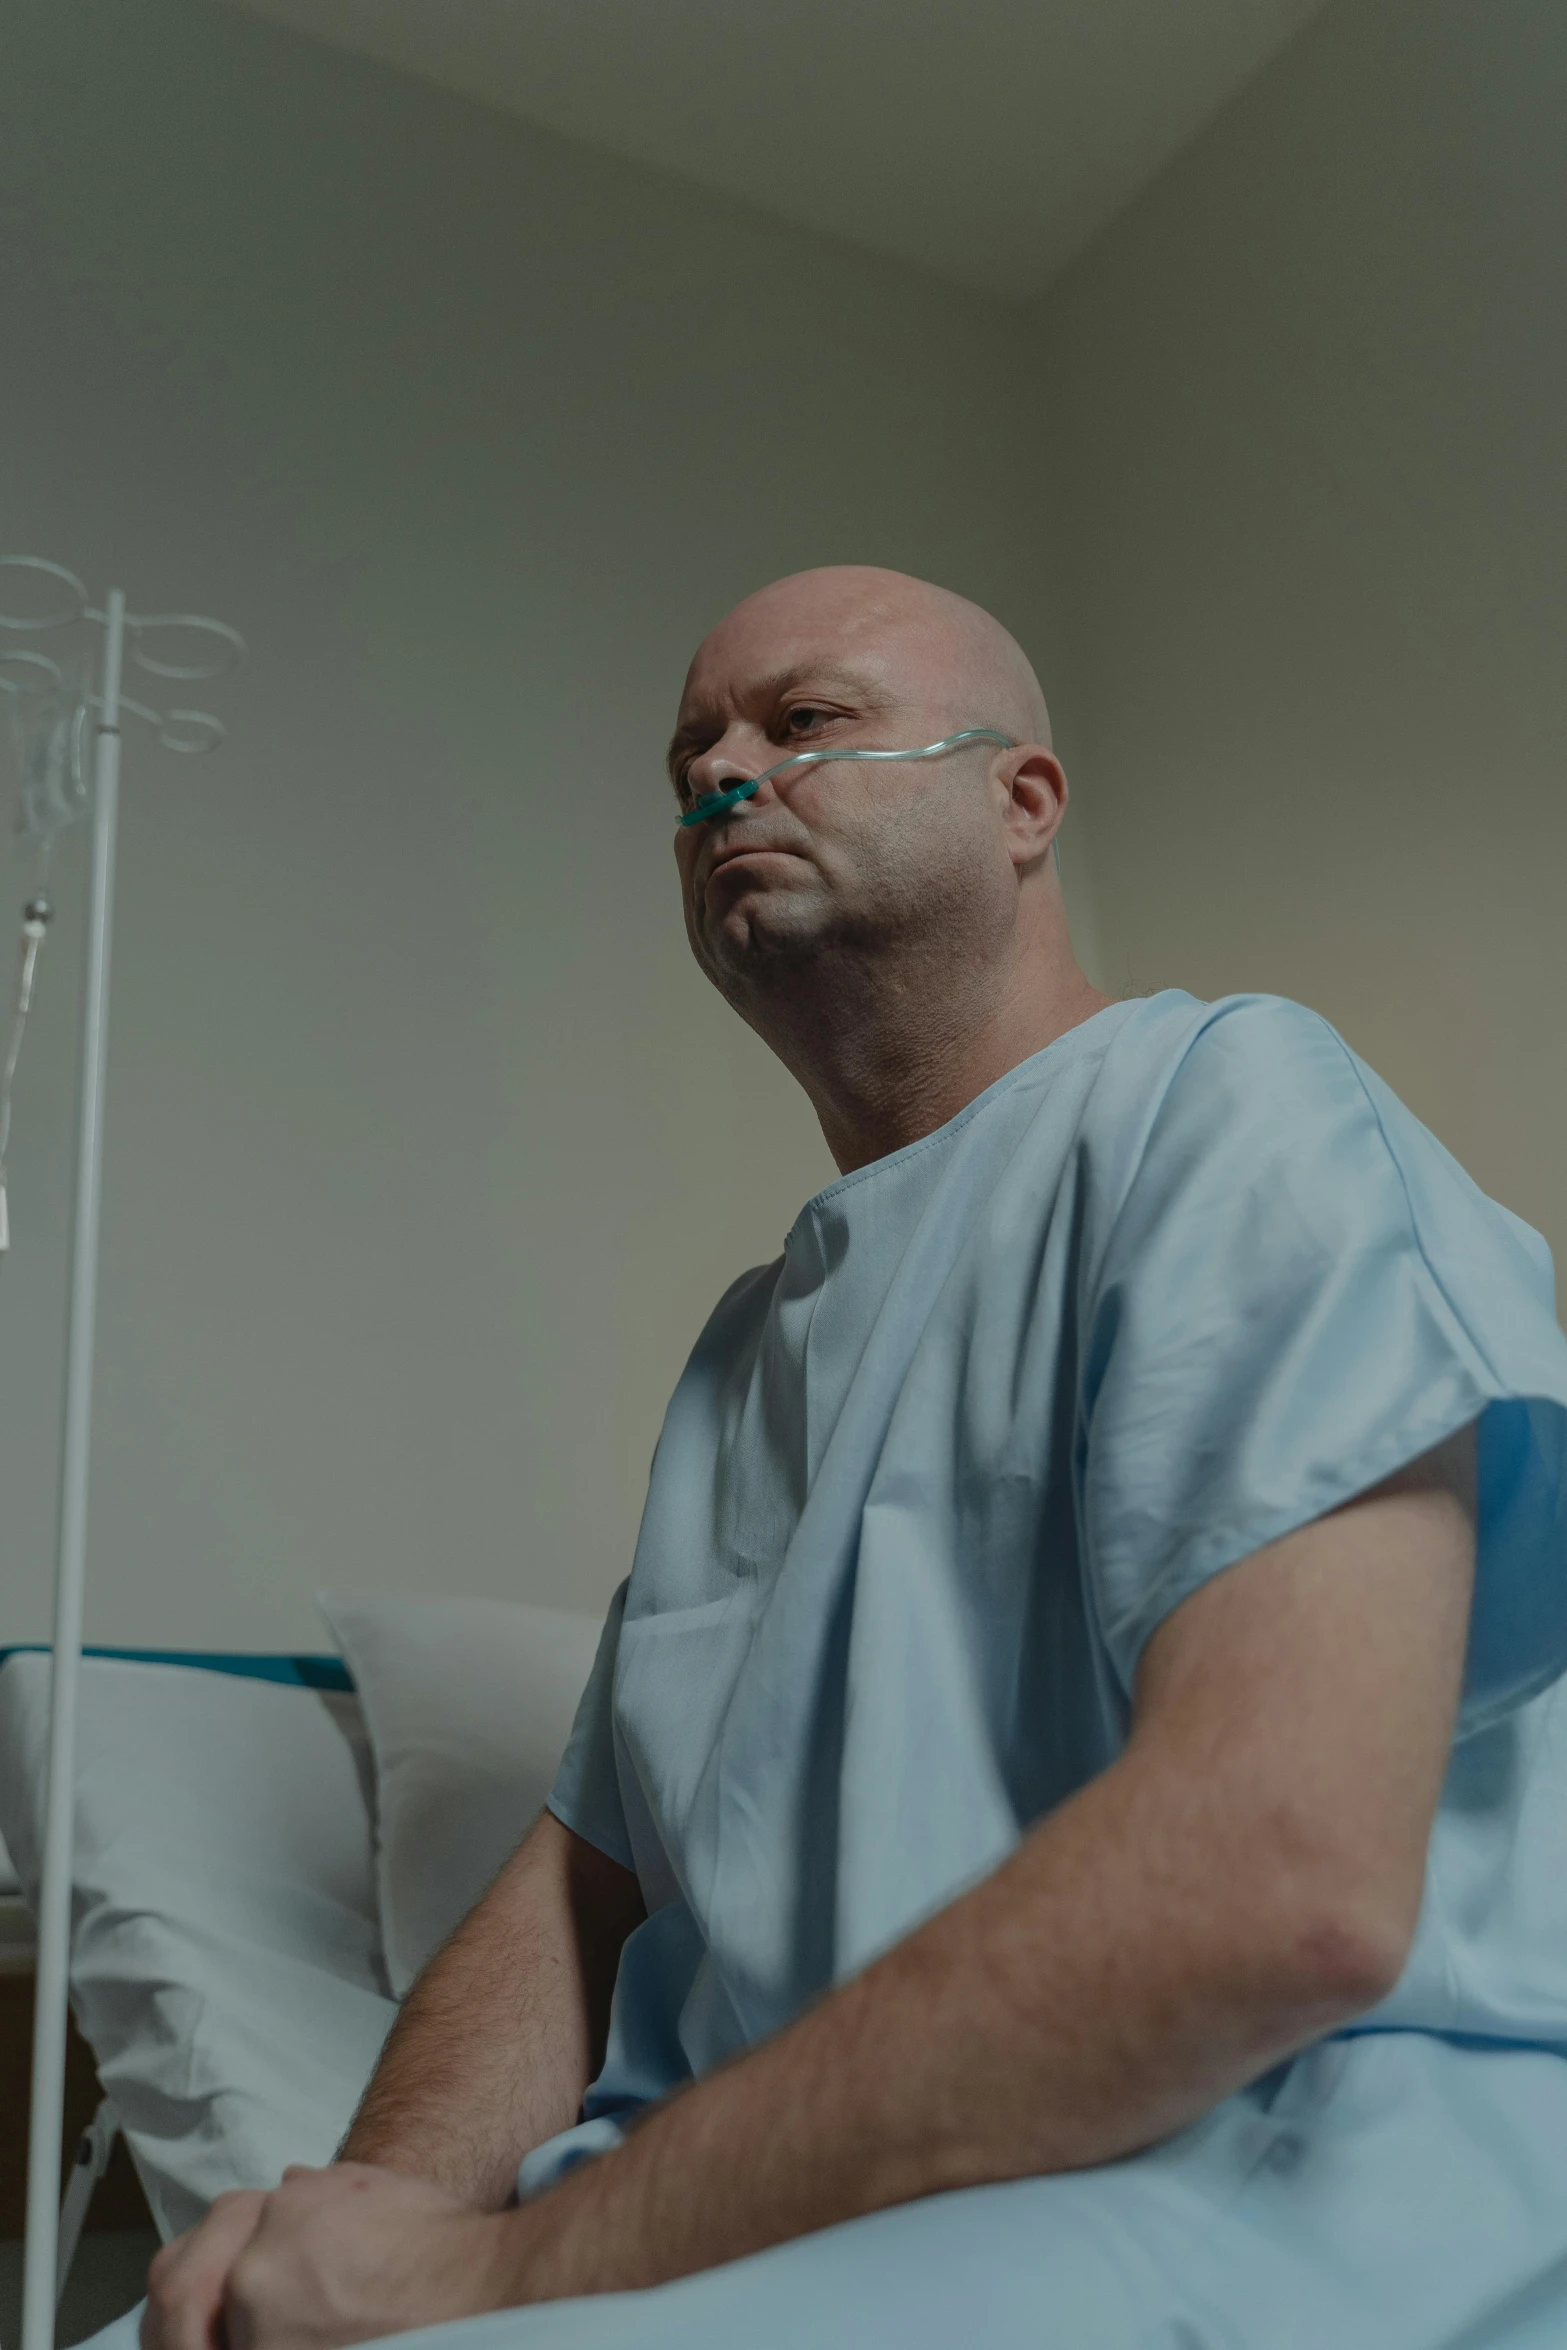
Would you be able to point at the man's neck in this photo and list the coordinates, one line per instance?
(887, 1055)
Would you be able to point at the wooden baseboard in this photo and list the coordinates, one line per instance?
(118, 2201)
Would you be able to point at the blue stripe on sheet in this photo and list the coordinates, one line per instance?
(300, 1672)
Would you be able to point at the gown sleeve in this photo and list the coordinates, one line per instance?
(586, 1793)
(1299, 1291)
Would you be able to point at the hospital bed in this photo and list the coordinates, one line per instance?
(265, 1850)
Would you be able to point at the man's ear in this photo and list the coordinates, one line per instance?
(1036, 801)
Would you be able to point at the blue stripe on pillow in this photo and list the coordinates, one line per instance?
(300, 1672)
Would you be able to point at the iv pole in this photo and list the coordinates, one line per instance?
(46, 2122)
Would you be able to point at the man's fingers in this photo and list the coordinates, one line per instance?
(186, 2280)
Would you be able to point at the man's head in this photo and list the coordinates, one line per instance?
(908, 866)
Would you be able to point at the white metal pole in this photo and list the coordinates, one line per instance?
(54, 1907)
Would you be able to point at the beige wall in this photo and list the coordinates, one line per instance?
(1306, 410)
(427, 1148)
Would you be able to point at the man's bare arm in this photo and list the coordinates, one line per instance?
(1245, 1878)
(505, 2028)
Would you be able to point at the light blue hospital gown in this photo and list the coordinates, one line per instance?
(1181, 1282)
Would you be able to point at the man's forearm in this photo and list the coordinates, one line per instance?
(504, 2029)
(1245, 1878)
(972, 2052)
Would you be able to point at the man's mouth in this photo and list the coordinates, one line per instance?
(746, 848)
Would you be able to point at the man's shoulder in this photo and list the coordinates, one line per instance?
(1172, 1033)
(1253, 1098)
(1191, 1077)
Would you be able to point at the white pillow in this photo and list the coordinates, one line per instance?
(469, 1704)
(224, 1948)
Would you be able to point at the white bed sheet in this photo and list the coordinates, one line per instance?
(226, 1967)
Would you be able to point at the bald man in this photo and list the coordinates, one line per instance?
(1069, 1803)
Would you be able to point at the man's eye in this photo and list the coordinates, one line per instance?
(802, 719)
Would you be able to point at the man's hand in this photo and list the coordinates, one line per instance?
(330, 2257)
(187, 2279)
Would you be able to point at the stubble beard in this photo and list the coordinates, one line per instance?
(752, 954)
(899, 915)
(792, 951)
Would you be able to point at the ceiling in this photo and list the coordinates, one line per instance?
(986, 140)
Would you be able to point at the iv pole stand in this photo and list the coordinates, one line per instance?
(46, 2122)
(189, 731)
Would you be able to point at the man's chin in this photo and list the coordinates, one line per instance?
(769, 930)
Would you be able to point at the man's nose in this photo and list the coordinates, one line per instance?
(717, 769)
(725, 765)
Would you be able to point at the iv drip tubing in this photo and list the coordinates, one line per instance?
(32, 940)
